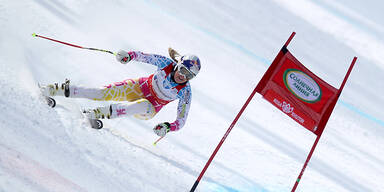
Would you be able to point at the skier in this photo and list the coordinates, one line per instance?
(147, 95)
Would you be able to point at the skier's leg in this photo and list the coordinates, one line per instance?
(127, 90)
(141, 109)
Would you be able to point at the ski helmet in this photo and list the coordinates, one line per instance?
(189, 66)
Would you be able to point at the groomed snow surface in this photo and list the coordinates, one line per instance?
(44, 149)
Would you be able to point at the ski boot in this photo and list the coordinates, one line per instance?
(48, 91)
(94, 116)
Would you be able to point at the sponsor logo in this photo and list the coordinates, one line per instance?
(286, 108)
(302, 86)
(120, 112)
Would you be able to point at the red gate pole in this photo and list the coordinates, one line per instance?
(306, 163)
(323, 122)
(257, 89)
(222, 140)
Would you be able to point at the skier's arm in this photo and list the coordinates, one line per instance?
(157, 60)
(182, 111)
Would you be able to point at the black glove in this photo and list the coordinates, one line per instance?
(162, 129)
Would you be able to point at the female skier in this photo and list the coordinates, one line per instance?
(146, 94)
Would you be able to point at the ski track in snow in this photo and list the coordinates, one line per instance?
(36, 175)
(43, 149)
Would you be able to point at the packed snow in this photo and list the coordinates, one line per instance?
(45, 149)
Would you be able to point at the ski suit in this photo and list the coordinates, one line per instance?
(146, 94)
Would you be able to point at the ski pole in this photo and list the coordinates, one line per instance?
(154, 144)
(77, 46)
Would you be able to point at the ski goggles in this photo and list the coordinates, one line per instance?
(185, 71)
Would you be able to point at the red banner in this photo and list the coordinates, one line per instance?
(300, 94)
(296, 91)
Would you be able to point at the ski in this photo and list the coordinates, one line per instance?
(96, 123)
(50, 101)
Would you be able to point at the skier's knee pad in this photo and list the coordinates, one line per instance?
(150, 110)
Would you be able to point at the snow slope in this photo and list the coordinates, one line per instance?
(43, 149)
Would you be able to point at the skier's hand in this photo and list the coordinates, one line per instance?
(162, 129)
(123, 57)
